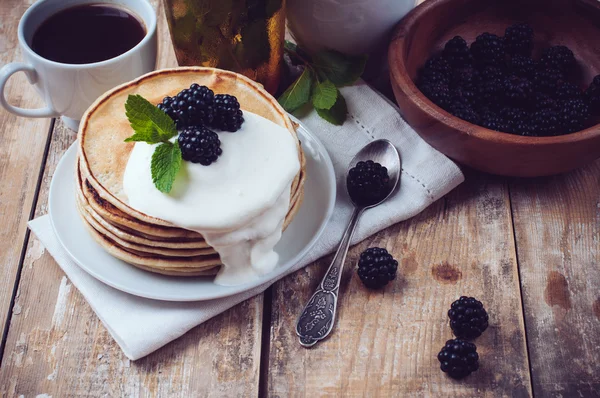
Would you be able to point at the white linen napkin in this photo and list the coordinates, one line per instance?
(141, 326)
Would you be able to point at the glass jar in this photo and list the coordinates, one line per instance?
(244, 36)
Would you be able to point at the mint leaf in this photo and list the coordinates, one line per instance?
(166, 162)
(341, 69)
(298, 93)
(149, 123)
(324, 95)
(337, 113)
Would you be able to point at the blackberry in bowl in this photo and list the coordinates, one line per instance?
(545, 71)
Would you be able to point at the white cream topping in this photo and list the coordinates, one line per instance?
(238, 203)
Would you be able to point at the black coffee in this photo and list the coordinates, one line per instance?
(86, 34)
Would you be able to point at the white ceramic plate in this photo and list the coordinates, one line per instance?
(297, 240)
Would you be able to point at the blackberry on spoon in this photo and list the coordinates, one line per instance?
(368, 182)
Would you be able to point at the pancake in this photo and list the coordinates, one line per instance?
(141, 248)
(104, 127)
(204, 265)
(90, 201)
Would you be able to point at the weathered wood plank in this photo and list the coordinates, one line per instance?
(22, 145)
(57, 346)
(557, 226)
(385, 343)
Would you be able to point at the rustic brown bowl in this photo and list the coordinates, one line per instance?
(424, 31)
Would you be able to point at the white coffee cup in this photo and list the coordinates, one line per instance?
(69, 89)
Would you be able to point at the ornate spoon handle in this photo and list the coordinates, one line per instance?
(317, 319)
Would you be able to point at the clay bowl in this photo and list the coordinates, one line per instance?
(424, 31)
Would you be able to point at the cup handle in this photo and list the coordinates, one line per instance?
(5, 73)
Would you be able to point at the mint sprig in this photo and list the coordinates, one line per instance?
(153, 126)
(324, 72)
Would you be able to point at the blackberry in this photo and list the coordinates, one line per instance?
(488, 49)
(546, 80)
(558, 57)
(491, 72)
(433, 77)
(227, 115)
(516, 120)
(518, 39)
(468, 318)
(190, 107)
(368, 183)
(542, 101)
(572, 115)
(464, 111)
(522, 66)
(376, 267)
(465, 77)
(545, 122)
(458, 358)
(456, 51)
(592, 95)
(198, 144)
(517, 90)
(436, 70)
(523, 127)
(438, 93)
(492, 121)
(566, 90)
(463, 96)
(490, 93)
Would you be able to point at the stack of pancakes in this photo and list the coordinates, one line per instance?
(127, 234)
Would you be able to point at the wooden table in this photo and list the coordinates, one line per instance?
(528, 248)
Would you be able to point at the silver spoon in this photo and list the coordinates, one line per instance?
(317, 319)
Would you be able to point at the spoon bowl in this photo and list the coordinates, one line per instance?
(384, 153)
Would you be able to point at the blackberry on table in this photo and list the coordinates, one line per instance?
(546, 80)
(227, 113)
(468, 318)
(438, 93)
(368, 183)
(190, 107)
(592, 95)
(456, 51)
(517, 90)
(566, 90)
(376, 267)
(522, 66)
(518, 39)
(458, 358)
(558, 57)
(198, 144)
(488, 49)
(545, 122)
(572, 115)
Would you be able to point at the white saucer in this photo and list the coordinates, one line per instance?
(297, 240)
